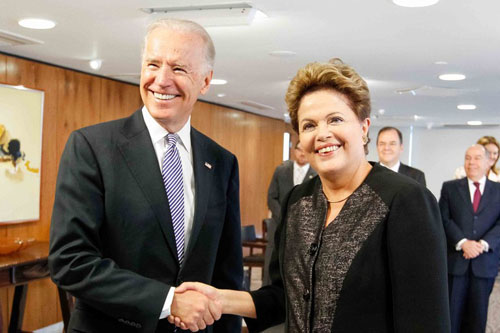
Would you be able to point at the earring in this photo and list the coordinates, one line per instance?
(365, 139)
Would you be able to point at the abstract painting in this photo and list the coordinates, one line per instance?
(21, 113)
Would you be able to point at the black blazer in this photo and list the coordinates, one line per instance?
(111, 239)
(414, 173)
(397, 281)
(461, 222)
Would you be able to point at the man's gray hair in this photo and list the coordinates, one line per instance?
(186, 27)
(483, 148)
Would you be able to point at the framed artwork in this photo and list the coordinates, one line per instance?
(21, 115)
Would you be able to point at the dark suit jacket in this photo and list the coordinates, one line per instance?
(281, 184)
(112, 242)
(414, 173)
(461, 222)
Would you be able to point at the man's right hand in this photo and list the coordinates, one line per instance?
(195, 310)
(472, 249)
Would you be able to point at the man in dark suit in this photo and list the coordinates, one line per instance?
(285, 177)
(147, 202)
(470, 209)
(389, 148)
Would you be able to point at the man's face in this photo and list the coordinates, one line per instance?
(389, 147)
(300, 156)
(173, 74)
(476, 164)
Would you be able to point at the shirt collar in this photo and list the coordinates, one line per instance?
(394, 168)
(158, 133)
(297, 166)
(481, 182)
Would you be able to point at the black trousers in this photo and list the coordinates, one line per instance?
(469, 297)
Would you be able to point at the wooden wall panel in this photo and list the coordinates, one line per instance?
(256, 141)
(78, 104)
(3, 70)
(73, 100)
(118, 100)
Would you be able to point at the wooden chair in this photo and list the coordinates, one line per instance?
(250, 240)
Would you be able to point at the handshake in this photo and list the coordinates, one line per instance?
(195, 306)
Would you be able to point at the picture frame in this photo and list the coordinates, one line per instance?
(21, 122)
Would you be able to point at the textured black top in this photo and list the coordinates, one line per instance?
(380, 266)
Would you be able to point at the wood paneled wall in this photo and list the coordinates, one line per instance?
(73, 100)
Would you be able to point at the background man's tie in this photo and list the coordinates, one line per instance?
(173, 181)
(477, 197)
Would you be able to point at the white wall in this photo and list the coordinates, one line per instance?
(437, 152)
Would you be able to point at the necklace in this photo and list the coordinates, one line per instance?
(330, 201)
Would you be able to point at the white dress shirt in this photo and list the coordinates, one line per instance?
(472, 190)
(183, 144)
(299, 172)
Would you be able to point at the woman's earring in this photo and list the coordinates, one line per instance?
(365, 139)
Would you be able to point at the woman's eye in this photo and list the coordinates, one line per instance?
(179, 69)
(335, 120)
(307, 126)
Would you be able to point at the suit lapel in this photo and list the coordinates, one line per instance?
(486, 196)
(310, 173)
(463, 189)
(140, 157)
(203, 167)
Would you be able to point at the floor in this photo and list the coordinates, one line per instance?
(493, 313)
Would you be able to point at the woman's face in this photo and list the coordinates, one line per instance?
(493, 150)
(330, 133)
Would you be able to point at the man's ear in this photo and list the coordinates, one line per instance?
(206, 82)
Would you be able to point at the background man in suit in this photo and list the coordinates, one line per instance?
(285, 177)
(470, 209)
(147, 202)
(389, 148)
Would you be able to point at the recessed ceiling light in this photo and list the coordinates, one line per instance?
(282, 54)
(474, 122)
(440, 63)
(36, 23)
(415, 3)
(466, 107)
(259, 15)
(217, 82)
(452, 77)
(221, 95)
(95, 64)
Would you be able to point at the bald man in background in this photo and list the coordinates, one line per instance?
(470, 210)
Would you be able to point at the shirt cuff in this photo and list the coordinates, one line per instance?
(458, 247)
(165, 312)
(485, 245)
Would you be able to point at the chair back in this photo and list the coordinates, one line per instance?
(248, 233)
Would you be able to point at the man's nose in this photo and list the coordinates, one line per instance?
(164, 77)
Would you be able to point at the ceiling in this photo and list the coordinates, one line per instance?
(394, 48)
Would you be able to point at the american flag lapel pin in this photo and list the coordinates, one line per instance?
(208, 165)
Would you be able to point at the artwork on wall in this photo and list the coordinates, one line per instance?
(21, 112)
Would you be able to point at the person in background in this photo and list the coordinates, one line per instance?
(286, 176)
(470, 209)
(492, 146)
(359, 248)
(147, 202)
(389, 148)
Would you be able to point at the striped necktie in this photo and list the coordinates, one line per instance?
(172, 179)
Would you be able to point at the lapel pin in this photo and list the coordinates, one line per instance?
(208, 165)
